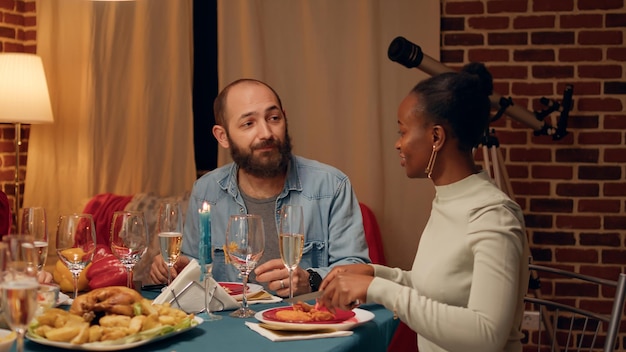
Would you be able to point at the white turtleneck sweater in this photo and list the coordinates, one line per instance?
(465, 290)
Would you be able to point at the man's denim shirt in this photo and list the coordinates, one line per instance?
(333, 226)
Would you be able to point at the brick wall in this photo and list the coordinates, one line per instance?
(573, 190)
(17, 34)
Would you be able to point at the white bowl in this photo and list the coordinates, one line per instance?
(7, 338)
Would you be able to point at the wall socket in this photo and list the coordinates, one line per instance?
(530, 321)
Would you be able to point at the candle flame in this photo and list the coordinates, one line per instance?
(206, 208)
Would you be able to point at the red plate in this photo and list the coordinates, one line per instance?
(233, 288)
(340, 316)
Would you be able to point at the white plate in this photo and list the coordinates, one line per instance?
(360, 316)
(100, 346)
(252, 288)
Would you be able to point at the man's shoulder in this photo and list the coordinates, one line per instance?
(215, 176)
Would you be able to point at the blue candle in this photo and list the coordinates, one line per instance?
(204, 255)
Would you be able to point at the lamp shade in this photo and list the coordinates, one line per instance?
(24, 94)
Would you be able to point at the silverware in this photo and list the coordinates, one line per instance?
(304, 297)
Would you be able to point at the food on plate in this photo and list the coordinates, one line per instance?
(108, 320)
(303, 312)
(114, 299)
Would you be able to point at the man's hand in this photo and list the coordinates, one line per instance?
(276, 275)
(159, 269)
(44, 277)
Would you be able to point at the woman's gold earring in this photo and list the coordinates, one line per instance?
(431, 162)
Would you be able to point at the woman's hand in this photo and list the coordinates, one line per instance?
(274, 273)
(345, 287)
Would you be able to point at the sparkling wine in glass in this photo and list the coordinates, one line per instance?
(76, 243)
(34, 223)
(19, 286)
(129, 239)
(291, 239)
(170, 243)
(245, 242)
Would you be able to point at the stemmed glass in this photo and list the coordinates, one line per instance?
(76, 243)
(129, 239)
(170, 233)
(19, 284)
(205, 257)
(291, 239)
(33, 222)
(245, 242)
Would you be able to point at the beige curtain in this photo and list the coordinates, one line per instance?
(328, 61)
(120, 80)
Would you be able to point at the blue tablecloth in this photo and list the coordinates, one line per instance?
(232, 335)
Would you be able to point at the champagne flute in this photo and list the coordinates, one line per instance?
(33, 222)
(245, 242)
(19, 285)
(205, 257)
(76, 243)
(170, 233)
(291, 239)
(129, 239)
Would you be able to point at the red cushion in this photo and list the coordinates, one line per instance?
(372, 235)
(5, 215)
(101, 207)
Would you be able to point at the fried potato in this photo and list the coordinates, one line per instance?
(114, 320)
(136, 323)
(63, 334)
(95, 333)
(83, 335)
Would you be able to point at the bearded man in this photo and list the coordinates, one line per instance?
(264, 176)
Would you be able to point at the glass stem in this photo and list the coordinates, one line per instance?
(244, 296)
(75, 279)
(290, 282)
(20, 342)
(129, 277)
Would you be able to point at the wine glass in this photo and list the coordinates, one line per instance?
(245, 242)
(205, 257)
(291, 239)
(76, 243)
(170, 233)
(129, 239)
(33, 222)
(19, 284)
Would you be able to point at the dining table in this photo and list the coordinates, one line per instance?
(232, 334)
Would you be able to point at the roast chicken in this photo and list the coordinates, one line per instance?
(111, 300)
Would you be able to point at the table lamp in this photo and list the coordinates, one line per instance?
(24, 98)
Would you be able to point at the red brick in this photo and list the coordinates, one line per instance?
(538, 221)
(451, 56)
(581, 88)
(7, 4)
(614, 87)
(600, 239)
(599, 206)
(530, 154)
(552, 38)
(615, 121)
(615, 155)
(552, 172)
(509, 6)
(487, 23)
(512, 137)
(599, 104)
(581, 21)
(617, 54)
(531, 188)
(517, 171)
(511, 38)
(487, 55)
(599, 138)
(600, 38)
(522, 88)
(541, 255)
(578, 222)
(553, 6)
(599, 172)
(613, 256)
(463, 7)
(554, 238)
(577, 155)
(615, 222)
(536, 55)
(14, 19)
(508, 72)
(30, 6)
(600, 5)
(533, 22)
(452, 24)
(7, 32)
(549, 139)
(580, 54)
(577, 189)
(543, 71)
(545, 205)
(30, 21)
(583, 121)
(615, 20)
(614, 189)
(572, 255)
(463, 39)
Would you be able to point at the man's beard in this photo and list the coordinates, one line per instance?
(268, 164)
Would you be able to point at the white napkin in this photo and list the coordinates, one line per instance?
(190, 293)
(295, 335)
